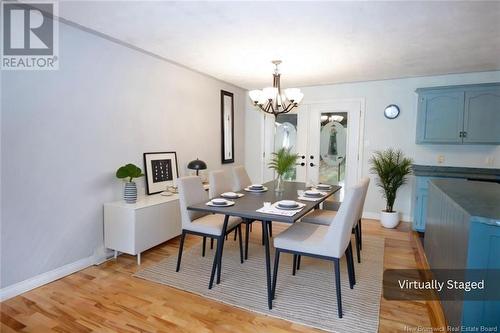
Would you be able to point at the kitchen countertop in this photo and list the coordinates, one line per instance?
(479, 199)
(456, 172)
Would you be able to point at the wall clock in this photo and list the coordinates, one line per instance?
(391, 111)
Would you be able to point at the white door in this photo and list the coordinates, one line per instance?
(326, 136)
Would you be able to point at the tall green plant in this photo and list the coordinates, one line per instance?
(283, 161)
(129, 171)
(392, 168)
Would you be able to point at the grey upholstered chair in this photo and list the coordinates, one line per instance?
(325, 216)
(191, 192)
(220, 181)
(241, 180)
(329, 242)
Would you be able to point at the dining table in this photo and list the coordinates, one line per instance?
(248, 205)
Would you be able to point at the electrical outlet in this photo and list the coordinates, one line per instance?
(490, 161)
(440, 159)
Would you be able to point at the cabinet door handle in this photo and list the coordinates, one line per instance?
(311, 164)
(301, 164)
(303, 156)
(464, 135)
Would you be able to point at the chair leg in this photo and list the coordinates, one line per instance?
(214, 265)
(275, 272)
(360, 236)
(211, 243)
(337, 285)
(240, 239)
(294, 268)
(263, 226)
(352, 264)
(235, 233)
(298, 261)
(224, 228)
(348, 257)
(356, 234)
(203, 246)
(183, 235)
(270, 229)
(247, 235)
(250, 227)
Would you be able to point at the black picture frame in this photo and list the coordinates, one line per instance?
(227, 119)
(163, 161)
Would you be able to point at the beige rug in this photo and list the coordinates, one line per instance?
(307, 298)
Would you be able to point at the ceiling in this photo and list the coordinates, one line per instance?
(319, 42)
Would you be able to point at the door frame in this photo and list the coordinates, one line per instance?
(331, 103)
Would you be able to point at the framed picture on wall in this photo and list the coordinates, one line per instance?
(161, 171)
(227, 126)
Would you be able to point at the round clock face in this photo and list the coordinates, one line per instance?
(391, 111)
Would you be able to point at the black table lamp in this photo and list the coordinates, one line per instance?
(197, 165)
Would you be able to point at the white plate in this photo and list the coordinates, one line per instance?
(231, 195)
(313, 194)
(248, 189)
(323, 186)
(228, 203)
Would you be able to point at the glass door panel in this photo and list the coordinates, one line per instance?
(333, 147)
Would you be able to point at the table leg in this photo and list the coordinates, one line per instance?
(268, 263)
(116, 254)
(139, 258)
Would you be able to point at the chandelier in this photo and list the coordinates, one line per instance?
(271, 100)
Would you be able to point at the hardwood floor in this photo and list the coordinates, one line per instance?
(106, 298)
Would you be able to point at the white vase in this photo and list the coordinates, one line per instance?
(130, 192)
(389, 219)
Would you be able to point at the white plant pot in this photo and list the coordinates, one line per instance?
(389, 220)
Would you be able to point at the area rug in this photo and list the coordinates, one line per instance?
(307, 298)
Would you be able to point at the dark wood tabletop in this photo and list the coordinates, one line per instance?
(247, 205)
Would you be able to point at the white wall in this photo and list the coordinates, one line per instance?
(381, 133)
(65, 132)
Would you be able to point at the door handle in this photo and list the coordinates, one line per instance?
(311, 164)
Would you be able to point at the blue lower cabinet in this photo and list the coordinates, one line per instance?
(420, 196)
(484, 253)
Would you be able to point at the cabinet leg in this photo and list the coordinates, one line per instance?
(139, 259)
(116, 254)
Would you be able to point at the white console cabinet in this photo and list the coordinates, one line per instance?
(134, 228)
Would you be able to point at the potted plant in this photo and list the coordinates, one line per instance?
(282, 162)
(392, 168)
(129, 172)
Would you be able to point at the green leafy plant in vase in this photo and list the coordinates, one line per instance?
(392, 168)
(129, 172)
(283, 161)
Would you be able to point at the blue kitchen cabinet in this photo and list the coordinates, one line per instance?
(468, 114)
(482, 116)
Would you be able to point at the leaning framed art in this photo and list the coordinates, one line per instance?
(161, 171)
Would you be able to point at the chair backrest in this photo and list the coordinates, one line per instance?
(191, 192)
(339, 231)
(220, 181)
(364, 183)
(240, 178)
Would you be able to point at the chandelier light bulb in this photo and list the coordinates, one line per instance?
(270, 93)
(255, 95)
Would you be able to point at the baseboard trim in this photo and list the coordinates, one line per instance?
(44, 278)
(376, 216)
